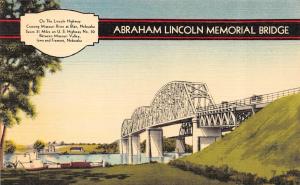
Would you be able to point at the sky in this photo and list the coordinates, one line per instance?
(102, 85)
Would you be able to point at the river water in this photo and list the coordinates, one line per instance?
(112, 159)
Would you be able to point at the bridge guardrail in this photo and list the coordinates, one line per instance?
(253, 100)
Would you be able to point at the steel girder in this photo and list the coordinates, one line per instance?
(178, 100)
(175, 101)
(222, 117)
(126, 127)
(141, 118)
(186, 129)
(217, 118)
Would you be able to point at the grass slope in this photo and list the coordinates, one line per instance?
(146, 174)
(266, 144)
(22, 148)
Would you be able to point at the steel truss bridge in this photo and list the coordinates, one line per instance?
(182, 102)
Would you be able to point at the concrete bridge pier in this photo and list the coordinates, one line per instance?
(180, 145)
(134, 148)
(204, 136)
(154, 142)
(123, 146)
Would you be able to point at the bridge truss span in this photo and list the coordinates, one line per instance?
(141, 118)
(175, 101)
(126, 128)
(179, 102)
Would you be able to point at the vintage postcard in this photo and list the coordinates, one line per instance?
(158, 92)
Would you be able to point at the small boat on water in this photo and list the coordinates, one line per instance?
(53, 166)
(28, 161)
(34, 165)
(82, 164)
(97, 164)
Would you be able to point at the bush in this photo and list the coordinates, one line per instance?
(108, 148)
(39, 145)
(188, 148)
(223, 173)
(9, 147)
(93, 152)
(290, 178)
(169, 144)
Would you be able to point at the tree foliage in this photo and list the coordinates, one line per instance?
(39, 145)
(17, 8)
(223, 173)
(143, 146)
(188, 148)
(9, 147)
(108, 148)
(169, 145)
(21, 67)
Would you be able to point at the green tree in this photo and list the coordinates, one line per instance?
(111, 148)
(21, 68)
(169, 144)
(39, 145)
(9, 147)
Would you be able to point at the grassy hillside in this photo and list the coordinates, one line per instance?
(87, 148)
(146, 174)
(266, 144)
(22, 148)
(90, 148)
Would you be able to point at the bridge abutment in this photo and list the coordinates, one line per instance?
(204, 136)
(154, 142)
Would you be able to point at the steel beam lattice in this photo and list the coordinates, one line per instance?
(174, 101)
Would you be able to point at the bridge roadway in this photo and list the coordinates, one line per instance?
(191, 105)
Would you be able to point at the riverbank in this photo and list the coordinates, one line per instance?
(112, 159)
(118, 175)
